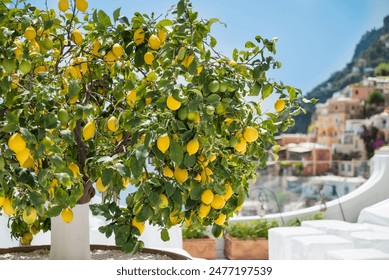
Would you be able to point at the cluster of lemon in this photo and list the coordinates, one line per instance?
(18, 145)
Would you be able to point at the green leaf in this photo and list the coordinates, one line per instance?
(181, 53)
(28, 136)
(54, 211)
(74, 88)
(43, 176)
(235, 53)
(176, 153)
(37, 199)
(256, 89)
(106, 176)
(257, 72)
(144, 214)
(136, 167)
(104, 18)
(216, 230)
(57, 161)
(165, 235)
(213, 42)
(249, 45)
(116, 14)
(180, 8)
(48, 24)
(292, 93)
(163, 23)
(189, 161)
(64, 179)
(267, 90)
(122, 169)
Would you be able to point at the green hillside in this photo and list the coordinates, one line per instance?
(371, 50)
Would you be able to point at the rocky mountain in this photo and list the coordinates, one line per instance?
(372, 49)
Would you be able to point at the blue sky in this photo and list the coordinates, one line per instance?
(316, 37)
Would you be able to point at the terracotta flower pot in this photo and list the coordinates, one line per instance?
(249, 249)
(201, 247)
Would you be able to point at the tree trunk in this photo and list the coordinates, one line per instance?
(70, 241)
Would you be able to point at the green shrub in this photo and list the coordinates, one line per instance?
(252, 229)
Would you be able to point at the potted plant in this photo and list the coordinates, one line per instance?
(198, 243)
(94, 103)
(247, 240)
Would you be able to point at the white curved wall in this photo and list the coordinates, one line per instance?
(374, 190)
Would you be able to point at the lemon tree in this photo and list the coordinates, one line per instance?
(94, 102)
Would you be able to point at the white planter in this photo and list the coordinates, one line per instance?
(70, 241)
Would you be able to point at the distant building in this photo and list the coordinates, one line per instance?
(314, 159)
(285, 139)
(330, 118)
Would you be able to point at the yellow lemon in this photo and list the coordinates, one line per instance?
(241, 146)
(89, 130)
(100, 186)
(197, 178)
(2, 199)
(7, 207)
(204, 210)
(149, 58)
(117, 50)
(229, 191)
(16, 143)
(63, 5)
(125, 182)
(202, 160)
(154, 42)
(96, 47)
(250, 134)
(110, 58)
(163, 143)
(113, 124)
(187, 61)
(82, 5)
(139, 36)
(239, 207)
(26, 238)
(199, 70)
(279, 105)
(218, 202)
(207, 196)
(174, 218)
(23, 155)
(172, 103)
(28, 163)
(67, 215)
(77, 36)
(212, 158)
(163, 201)
(30, 33)
(40, 69)
(167, 172)
(220, 219)
(29, 215)
(181, 175)
(131, 98)
(162, 36)
(193, 146)
(75, 169)
(139, 225)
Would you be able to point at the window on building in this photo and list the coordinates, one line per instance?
(349, 167)
(342, 167)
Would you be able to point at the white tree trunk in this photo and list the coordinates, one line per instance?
(70, 241)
